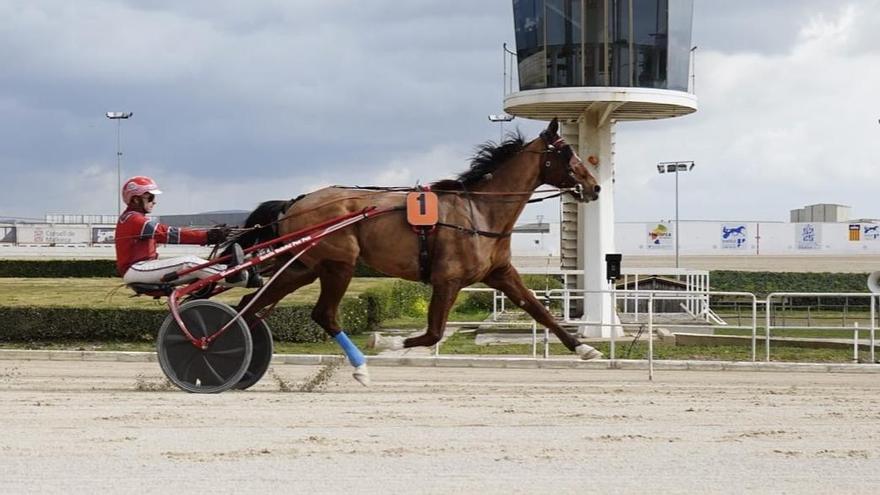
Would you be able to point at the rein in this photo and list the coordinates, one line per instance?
(551, 193)
(553, 147)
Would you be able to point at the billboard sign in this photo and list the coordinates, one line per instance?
(52, 234)
(103, 235)
(660, 236)
(807, 236)
(7, 234)
(734, 236)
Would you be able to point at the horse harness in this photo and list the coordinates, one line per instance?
(422, 214)
(422, 206)
(424, 222)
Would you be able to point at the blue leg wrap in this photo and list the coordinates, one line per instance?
(355, 356)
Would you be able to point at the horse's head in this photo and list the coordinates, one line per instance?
(561, 167)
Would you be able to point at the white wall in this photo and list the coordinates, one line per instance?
(767, 238)
(632, 238)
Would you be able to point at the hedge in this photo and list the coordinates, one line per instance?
(57, 268)
(93, 269)
(288, 323)
(763, 283)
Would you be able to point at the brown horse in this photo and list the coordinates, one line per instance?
(471, 244)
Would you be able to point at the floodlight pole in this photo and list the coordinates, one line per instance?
(119, 117)
(501, 119)
(664, 167)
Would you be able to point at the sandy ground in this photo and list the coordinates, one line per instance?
(84, 427)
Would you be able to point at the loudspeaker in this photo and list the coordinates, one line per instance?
(612, 266)
(874, 282)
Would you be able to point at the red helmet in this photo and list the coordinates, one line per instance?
(137, 186)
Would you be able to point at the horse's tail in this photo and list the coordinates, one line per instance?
(266, 216)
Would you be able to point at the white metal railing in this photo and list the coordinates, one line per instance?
(650, 296)
(768, 312)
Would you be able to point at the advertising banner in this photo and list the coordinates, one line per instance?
(7, 234)
(53, 235)
(660, 236)
(734, 236)
(807, 236)
(871, 232)
(855, 232)
(103, 235)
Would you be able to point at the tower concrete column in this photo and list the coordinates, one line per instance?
(596, 221)
(593, 135)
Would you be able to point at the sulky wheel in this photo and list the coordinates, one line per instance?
(261, 357)
(215, 369)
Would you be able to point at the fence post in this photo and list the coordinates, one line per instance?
(613, 328)
(856, 342)
(534, 339)
(768, 308)
(651, 337)
(873, 327)
(754, 328)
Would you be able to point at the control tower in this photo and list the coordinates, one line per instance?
(593, 63)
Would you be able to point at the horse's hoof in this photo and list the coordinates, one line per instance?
(373, 340)
(587, 353)
(377, 341)
(362, 375)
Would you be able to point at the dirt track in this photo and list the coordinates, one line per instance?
(86, 427)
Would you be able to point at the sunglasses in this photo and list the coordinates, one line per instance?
(151, 198)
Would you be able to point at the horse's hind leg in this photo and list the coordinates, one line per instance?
(335, 277)
(286, 283)
(507, 280)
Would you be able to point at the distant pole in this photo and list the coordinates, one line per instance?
(676, 218)
(694, 69)
(119, 117)
(501, 119)
(676, 167)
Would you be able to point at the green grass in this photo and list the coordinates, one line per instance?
(463, 343)
(111, 293)
(99, 293)
(329, 347)
(807, 333)
(417, 322)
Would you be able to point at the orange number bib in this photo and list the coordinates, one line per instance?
(422, 208)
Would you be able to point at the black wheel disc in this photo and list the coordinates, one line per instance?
(261, 357)
(212, 370)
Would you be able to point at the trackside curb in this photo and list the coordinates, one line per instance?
(468, 362)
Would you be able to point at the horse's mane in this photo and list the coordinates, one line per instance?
(487, 158)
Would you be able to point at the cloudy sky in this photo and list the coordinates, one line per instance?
(237, 102)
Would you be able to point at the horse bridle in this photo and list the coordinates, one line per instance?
(559, 147)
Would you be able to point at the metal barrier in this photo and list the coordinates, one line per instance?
(626, 296)
(768, 311)
(498, 307)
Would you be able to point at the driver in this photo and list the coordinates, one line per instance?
(136, 237)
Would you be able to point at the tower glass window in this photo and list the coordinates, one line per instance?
(629, 43)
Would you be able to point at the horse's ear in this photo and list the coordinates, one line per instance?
(553, 128)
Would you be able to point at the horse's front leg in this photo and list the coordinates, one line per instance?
(507, 280)
(443, 296)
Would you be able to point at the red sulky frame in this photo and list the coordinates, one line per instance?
(300, 241)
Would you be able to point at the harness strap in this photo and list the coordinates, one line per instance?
(465, 230)
(424, 258)
(422, 232)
